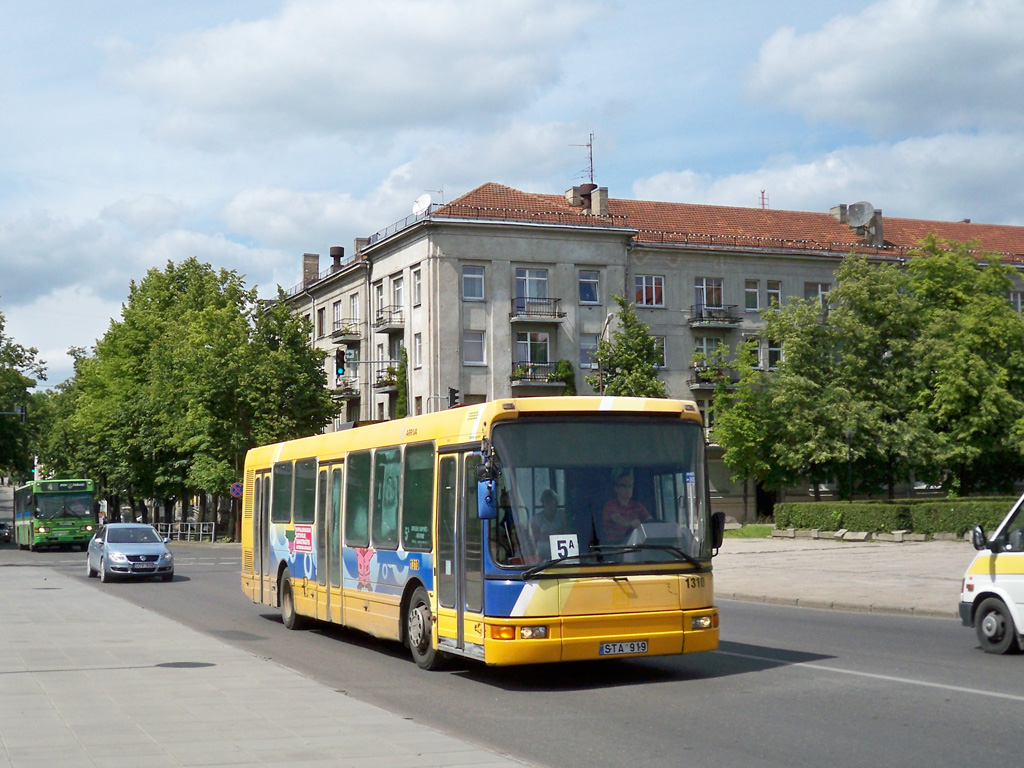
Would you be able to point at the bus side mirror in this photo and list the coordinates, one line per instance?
(486, 504)
(717, 529)
(978, 538)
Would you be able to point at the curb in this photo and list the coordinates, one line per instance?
(838, 605)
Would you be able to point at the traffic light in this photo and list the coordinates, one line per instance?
(453, 397)
(339, 362)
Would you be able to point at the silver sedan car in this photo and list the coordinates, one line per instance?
(129, 549)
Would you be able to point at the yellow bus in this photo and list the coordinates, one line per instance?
(510, 532)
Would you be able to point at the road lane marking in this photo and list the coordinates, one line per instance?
(874, 676)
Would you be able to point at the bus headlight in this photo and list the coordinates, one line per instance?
(503, 632)
(87, 528)
(703, 622)
(42, 529)
(533, 633)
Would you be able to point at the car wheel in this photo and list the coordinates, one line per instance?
(104, 576)
(168, 576)
(89, 570)
(419, 631)
(994, 627)
(289, 616)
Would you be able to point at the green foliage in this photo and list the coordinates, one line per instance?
(565, 373)
(629, 362)
(402, 380)
(926, 516)
(20, 368)
(195, 373)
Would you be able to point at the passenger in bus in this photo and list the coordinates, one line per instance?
(548, 521)
(508, 551)
(622, 514)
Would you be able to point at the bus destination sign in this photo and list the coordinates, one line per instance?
(57, 486)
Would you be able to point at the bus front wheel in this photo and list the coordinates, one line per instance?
(419, 631)
(289, 616)
(994, 627)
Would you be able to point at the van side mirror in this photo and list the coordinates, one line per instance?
(486, 503)
(717, 529)
(978, 538)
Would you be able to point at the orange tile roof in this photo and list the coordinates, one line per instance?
(715, 225)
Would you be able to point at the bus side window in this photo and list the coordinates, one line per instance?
(305, 491)
(281, 500)
(357, 500)
(417, 496)
(387, 467)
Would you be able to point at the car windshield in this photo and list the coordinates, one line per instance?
(132, 536)
(56, 505)
(621, 491)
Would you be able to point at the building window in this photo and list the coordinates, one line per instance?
(588, 348)
(378, 297)
(473, 347)
(380, 354)
(751, 295)
(532, 347)
(321, 319)
(336, 313)
(531, 288)
(709, 292)
(398, 292)
(659, 346)
(417, 350)
(353, 307)
(773, 292)
(818, 292)
(1017, 300)
(472, 283)
(706, 345)
(590, 287)
(650, 290)
(417, 288)
(774, 354)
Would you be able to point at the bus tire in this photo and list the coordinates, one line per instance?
(289, 616)
(419, 631)
(994, 627)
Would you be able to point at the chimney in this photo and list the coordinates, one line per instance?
(338, 254)
(863, 218)
(310, 267)
(572, 196)
(599, 202)
(359, 244)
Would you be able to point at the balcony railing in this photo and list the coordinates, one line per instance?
(706, 377)
(346, 330)
(346, 388)
(534, 374)
(527, 308)
(389, 318)
(706, 316)
(384, 374)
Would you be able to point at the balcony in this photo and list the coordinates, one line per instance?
(389, 319)
(345, 388)
(345, 331)
(705, 378)
(386, 376)
(526, 375)
(531, 310)
(704, 316)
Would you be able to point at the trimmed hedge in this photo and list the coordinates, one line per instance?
(917, 515)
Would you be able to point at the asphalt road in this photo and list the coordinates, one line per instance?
(789, 686)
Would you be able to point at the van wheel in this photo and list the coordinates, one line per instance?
(419, 632)
(291, 619)
(994, 627)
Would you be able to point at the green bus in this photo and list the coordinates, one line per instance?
(54, 513)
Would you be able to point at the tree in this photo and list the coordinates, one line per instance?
(20, 369)
(628, 364)
(402, 379)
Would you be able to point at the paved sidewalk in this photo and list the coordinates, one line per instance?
(88, 680)
(919, 578)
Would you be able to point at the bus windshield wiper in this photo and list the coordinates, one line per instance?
(618, 549)
(533, 570)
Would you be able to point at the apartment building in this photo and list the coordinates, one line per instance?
(487, 293)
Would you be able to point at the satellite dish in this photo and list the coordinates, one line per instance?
(421, 204)
(859, 214)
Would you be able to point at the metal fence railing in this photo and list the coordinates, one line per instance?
(187, 531)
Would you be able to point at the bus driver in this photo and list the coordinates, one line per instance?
(622, 514)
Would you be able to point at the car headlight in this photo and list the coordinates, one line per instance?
(167, 557)
(117, 557)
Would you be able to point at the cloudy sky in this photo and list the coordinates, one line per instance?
(246, 132)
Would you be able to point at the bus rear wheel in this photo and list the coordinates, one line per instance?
(419, 631)
(289, 616)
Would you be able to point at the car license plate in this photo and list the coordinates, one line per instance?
(144, 566)
(618, 649)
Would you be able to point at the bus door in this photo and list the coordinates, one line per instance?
(261, 536)
(459, 562)
(328, 540)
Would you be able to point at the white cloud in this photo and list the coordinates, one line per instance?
(902, 65)
(948, 177)
(341, 67)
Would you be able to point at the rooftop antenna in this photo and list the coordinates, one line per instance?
(437, 192)
(589, 170)
(764, 200)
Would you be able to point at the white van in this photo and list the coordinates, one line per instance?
(992, 595)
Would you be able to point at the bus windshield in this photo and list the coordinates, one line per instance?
(615, 491)
(59, 505)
